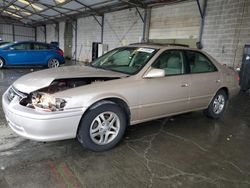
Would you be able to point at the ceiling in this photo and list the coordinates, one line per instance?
(38, 12)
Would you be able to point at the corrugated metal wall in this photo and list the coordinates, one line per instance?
(18, 33)
(6, 32)
(24, 33)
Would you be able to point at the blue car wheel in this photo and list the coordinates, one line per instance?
(53, 63)
(1, 63)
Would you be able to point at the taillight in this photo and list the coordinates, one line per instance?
(59, 51)
(238, 77)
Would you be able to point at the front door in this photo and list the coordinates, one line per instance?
(167, 95)
(18, 54)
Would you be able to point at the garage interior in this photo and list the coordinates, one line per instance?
(188, 150)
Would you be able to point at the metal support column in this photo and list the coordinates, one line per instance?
(57, 29)
(13, 32)
(102, 32)
(137, 10)
(45, 33)
(146, 24)
(74, 26)
(202, 22)
(35, 33)
(101, 24)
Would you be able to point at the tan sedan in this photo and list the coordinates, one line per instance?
(126, 86)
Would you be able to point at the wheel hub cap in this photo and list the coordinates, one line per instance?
(104, 128)
(219, 103)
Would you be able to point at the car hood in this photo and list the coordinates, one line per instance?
(40, 79)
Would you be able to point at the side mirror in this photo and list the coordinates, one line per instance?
(155, 73)
(11, 48)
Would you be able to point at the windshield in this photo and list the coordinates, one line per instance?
(128, 60)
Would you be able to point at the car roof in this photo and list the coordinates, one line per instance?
(17, 42)
(163, 45)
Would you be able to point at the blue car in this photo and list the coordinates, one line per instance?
(29, 54)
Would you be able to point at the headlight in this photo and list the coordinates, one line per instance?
(47, 103)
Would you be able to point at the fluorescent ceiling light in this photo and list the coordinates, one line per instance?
(12, 14)
(60, 1)
(27, 13)
(14, 7)
(20, 10)
(24, 2)
(30, 4)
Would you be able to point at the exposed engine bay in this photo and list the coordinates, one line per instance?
(42, 99)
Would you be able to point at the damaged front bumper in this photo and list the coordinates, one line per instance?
(40, 126)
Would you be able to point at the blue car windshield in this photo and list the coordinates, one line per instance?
(128, 60)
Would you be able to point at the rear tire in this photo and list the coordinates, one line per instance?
(53, 63)
(1, 63)
(102, 128)
(217, 106)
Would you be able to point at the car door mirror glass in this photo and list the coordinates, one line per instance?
(155, 73)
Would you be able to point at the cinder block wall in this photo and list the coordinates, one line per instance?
(88, 31)
(51, 33)
(61, 35)
(178, 21)
(122, 28)
(40, 34)
(227, 30)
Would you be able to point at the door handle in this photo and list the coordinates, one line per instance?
(218, 81)
(184, 85)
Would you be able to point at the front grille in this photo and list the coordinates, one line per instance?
(12, 93)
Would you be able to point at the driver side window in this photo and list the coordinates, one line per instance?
(22, 46)
(171, 62)
(121, 58)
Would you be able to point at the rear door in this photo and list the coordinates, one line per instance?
(168, 95)
(204, 79)
(39, 53)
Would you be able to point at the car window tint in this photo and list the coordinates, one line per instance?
(171, 62)
(199, 63)
(23, 46)
(122, 57)
(40, 47)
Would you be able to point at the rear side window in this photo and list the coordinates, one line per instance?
(41, 46)
(199, 63)
(171, 61)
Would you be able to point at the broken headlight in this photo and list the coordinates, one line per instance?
(48, 103)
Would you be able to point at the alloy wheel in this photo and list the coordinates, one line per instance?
(53, 63)
(218, 104)
(1, 63)
(104, 128)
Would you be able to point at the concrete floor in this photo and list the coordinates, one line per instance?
(185, 151)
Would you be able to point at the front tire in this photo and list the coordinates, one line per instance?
(1, 63)
(217, 106)
(102, 128)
